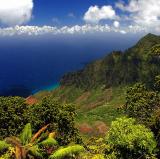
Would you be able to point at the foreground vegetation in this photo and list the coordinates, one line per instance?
(135, 134)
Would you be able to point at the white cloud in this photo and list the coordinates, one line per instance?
(96, 14)
(116, 24)
(141, 12)
(15, 12)
(123, 32)
(50, 30)
(35, 30)
(71, 15)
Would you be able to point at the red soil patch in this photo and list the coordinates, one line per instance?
(85, 128)
(100, 128)
(31, 100)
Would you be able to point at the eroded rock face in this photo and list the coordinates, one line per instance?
(31, 100)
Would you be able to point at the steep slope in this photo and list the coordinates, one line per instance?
(98, 90)
(117, 68)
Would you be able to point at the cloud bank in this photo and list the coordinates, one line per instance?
(84, 29)
(15, 12)
(141, 12)
(133, 14)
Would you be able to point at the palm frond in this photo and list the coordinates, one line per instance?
(26, 134)
(4, 145)
(49, 142)
(18, 152)
(35, 151)
(39, 133)
(68, 151)
(14, 141)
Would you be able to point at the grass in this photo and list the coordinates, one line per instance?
(95, 105)
(107, 112)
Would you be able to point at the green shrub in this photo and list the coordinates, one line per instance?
(61, 118)
(141, 103)
(129, 140)
(12, 116)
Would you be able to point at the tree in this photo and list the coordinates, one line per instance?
(12, 116)
(128, 140)
(157, 83)
(141, 103)
(61, 118)
(155, 50)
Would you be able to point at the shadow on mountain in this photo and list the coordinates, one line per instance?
(16, 90)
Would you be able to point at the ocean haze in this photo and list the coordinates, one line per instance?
(31, 63)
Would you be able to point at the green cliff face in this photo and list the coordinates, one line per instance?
(119, 68)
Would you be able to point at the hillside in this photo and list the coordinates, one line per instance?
(98, 90)
(118, 67)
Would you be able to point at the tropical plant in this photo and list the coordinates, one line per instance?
(26, 145)
(39, 145)
(129, 140)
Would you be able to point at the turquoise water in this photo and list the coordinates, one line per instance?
(46, 88)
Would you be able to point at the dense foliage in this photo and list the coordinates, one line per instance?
(12, 115)
(129, 140)
(40, 145)
(141, 103)
(15, 113)
(61, 118)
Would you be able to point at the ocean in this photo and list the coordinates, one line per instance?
(29, 64)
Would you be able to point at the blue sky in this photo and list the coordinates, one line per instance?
(46, 10)
(79, 16)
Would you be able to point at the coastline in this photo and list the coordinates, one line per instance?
(46, 88)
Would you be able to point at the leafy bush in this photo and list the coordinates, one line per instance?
(61, 118)
(155, 50)
(141, 103)
(12, 115)
(129, 140)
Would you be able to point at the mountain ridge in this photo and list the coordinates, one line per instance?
(117, 68)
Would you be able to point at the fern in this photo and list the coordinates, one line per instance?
(26, 134)
(68, 151)
(4, 145)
